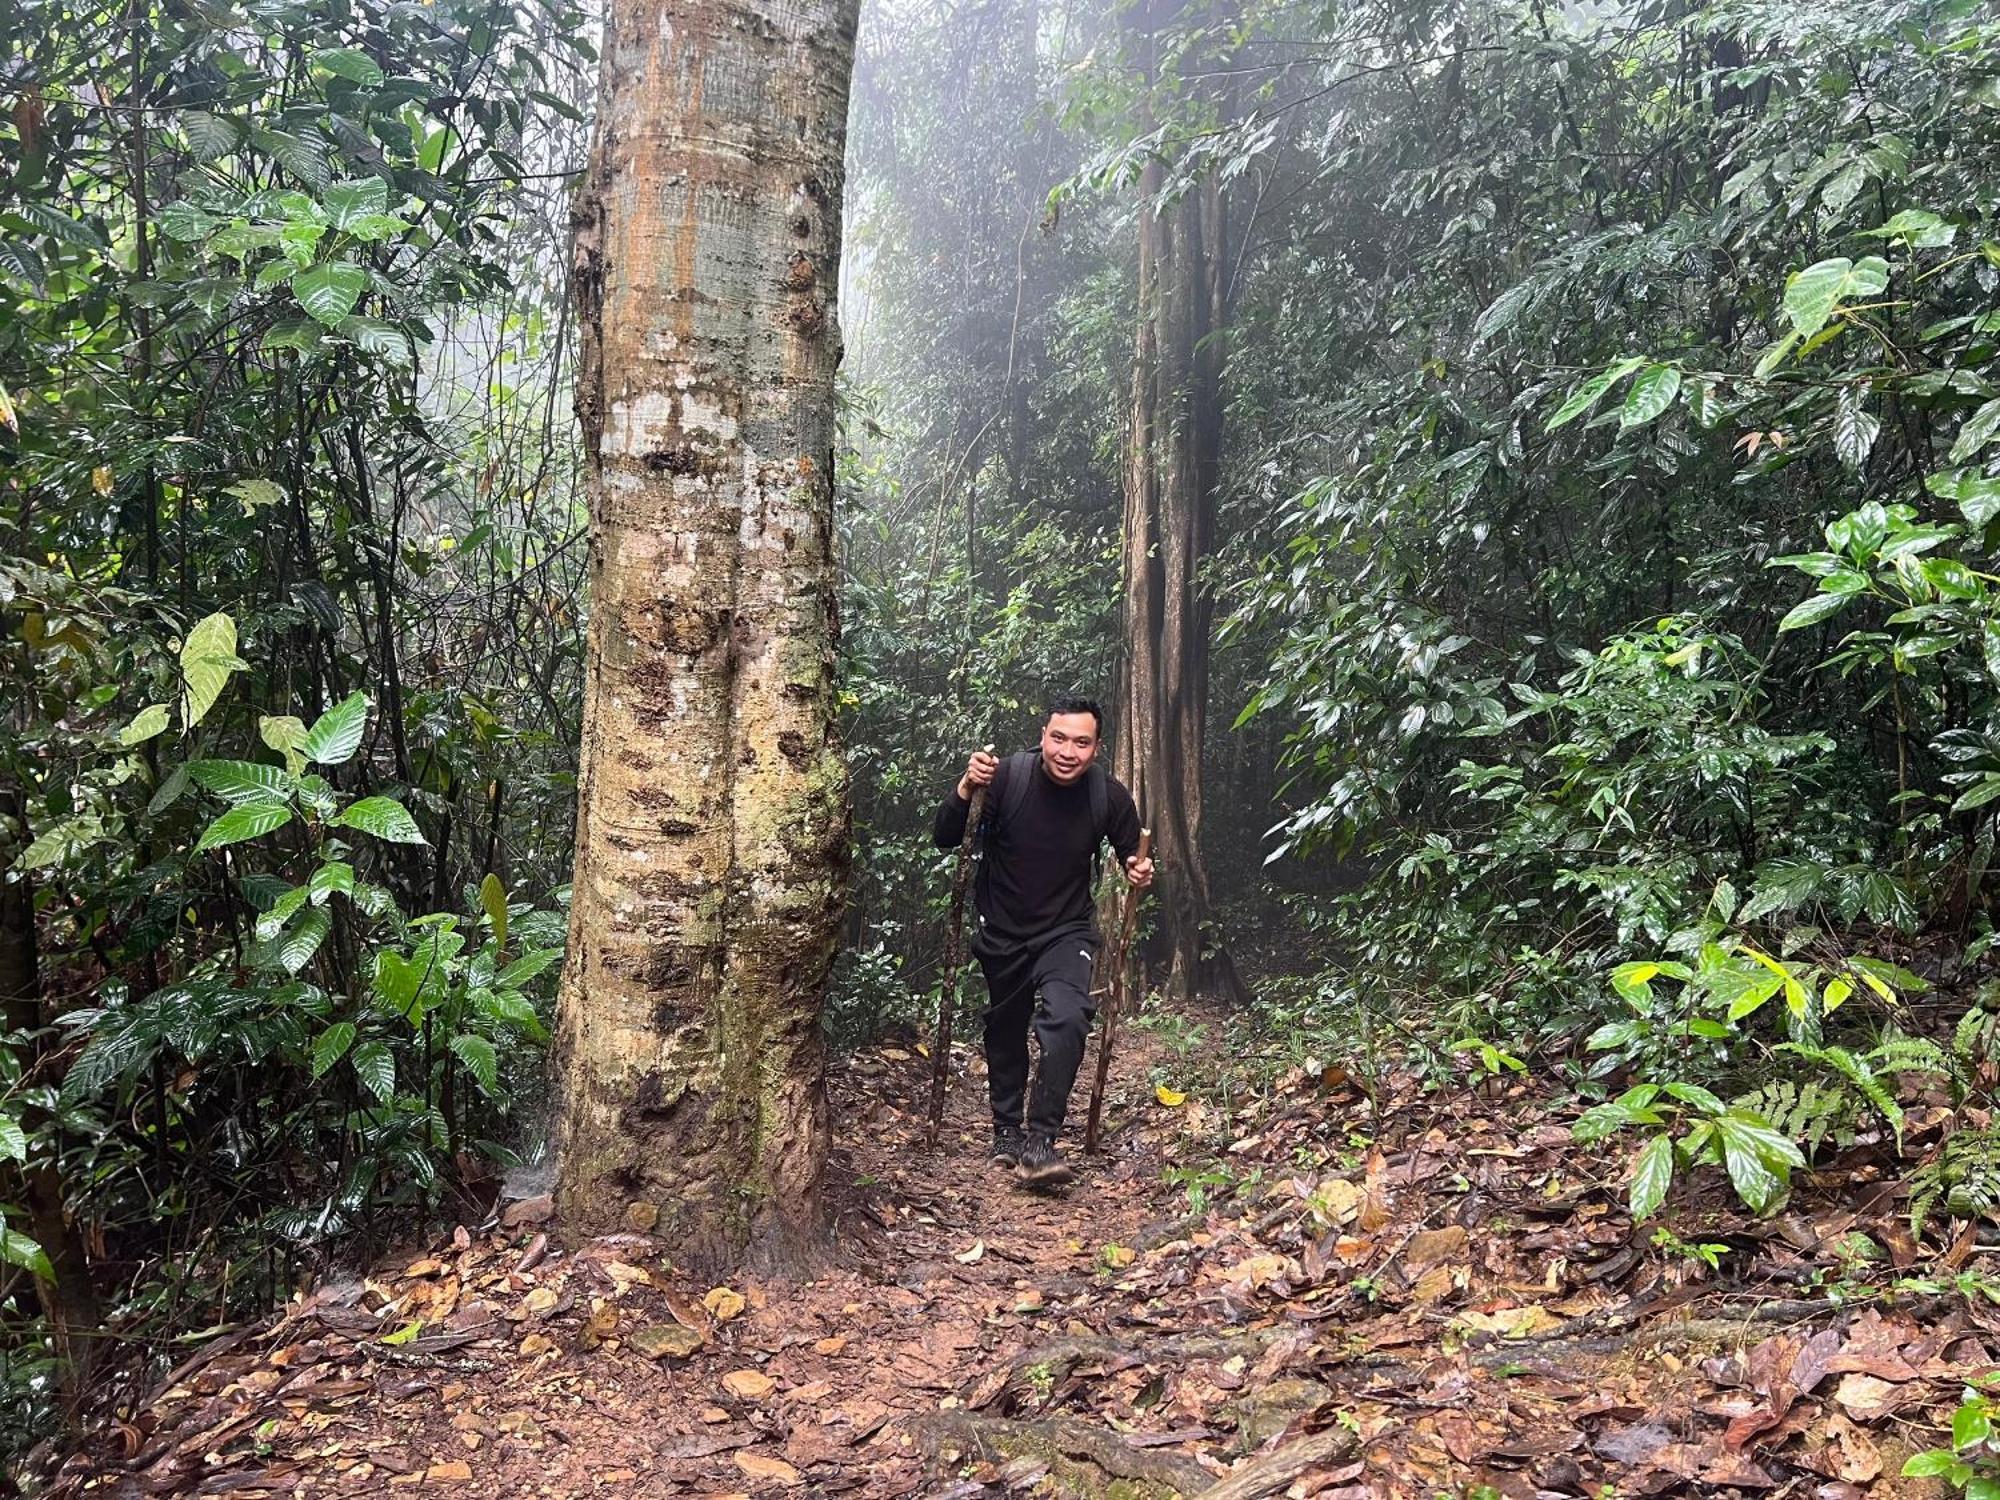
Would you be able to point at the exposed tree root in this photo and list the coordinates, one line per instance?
(1084, 1456)
(1278, 1468)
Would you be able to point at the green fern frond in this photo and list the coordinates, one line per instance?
(1964, 1176)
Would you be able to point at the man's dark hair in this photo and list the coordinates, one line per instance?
(1076, 706)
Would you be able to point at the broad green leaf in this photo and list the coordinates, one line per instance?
(1977, 497)
(1586, 395)
(375, 1066)
(1835, 995)
(330, 1046)
(1776, 355)
(493, 898)
(1982, 792)
(208, 657)
(336, 734)
(13, 1140)
(383, 817)
(1652, 1175)
(210, 136)
(304, 940)
(1810, 294)
(346, 202)
(185, 222)
(286, 734)
(1652, 392)
(328, 291)
(272, 922)
(1855, 428)
(151, 720)
(251, 493)
(480, 1060)
(240, 781)
(252, 820)
(1970, 1424)
(334, 875)
(525, 968)
(1977, 432)
(350, 63)
(1812, 611)
(16, 1249)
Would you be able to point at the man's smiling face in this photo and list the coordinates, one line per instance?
(1069, 745)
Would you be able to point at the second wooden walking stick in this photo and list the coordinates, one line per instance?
(954, 955)
(1114, 1002)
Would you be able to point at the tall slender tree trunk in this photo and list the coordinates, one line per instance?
(1169, 529)
(68, 1293)
(712, 805)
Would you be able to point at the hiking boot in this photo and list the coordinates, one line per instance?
(1041, 1165)
(1008, 1143)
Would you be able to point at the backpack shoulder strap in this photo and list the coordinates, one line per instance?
(1016, 773)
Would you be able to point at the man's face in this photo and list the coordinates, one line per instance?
(1069, 745)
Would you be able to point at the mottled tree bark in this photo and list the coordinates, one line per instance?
(712, 807)
(1169, 529)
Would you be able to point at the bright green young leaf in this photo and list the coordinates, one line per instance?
(285, 734)
(328, 291)
(1810, 294)
(383, 817)
(208, 657)
(493, 900)
(252, 820)
(1652, 392)
(526, 967)
(347, 202)
(336, 734)
(151, 720)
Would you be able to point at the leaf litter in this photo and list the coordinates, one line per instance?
(1458, 1301)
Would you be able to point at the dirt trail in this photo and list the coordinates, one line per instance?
(1440, 1295)
(532, 1381)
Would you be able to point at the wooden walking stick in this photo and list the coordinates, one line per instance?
(954, 955)
(1115, 1001)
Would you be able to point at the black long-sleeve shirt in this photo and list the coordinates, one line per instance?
(1034, 869)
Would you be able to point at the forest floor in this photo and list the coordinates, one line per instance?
(1256, 1291)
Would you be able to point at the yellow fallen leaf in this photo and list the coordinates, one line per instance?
(757, 1466)
(749, 1385)
(968, 1257)
(723, 1303)
(1172, 1098)
(1511, 1322)
(1118, 1256)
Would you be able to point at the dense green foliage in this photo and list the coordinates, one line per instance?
(288, 555)
(1610, 683)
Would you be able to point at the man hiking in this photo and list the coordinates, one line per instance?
(1047, 812)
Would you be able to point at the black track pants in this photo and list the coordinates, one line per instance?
(1046, 989)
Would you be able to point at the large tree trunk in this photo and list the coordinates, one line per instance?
(712, 806)
(1169, 527)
